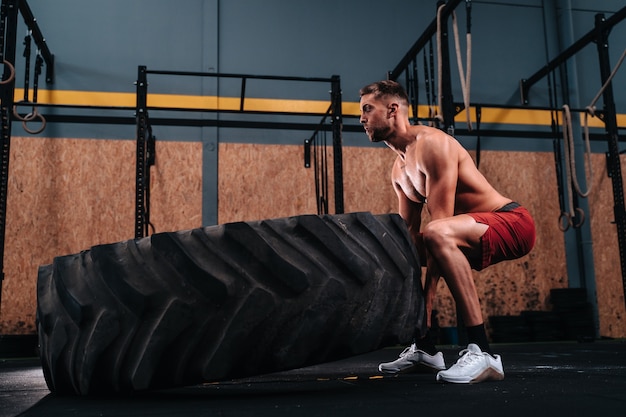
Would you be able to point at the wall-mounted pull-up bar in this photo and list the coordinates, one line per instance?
(145, 139)
(600, 36)
(591, 36)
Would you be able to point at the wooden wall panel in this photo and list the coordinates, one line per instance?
(66, 195)
(176, 186)
(515, 286)
(268, 181)
(507, 288)
(367, 180)
(60, 201)
(250, 188)
(524, 284)
(264, 181)
(607, 268)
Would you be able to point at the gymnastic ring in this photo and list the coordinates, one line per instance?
(27, 118)
(565, 225)
(12, 76)
(32, 116)
(581, 215)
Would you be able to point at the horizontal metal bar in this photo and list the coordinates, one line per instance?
(259, 112)
(159, 121)
(516, 107)
(230, 75)
(526, 134)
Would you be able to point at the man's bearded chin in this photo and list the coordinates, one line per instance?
(379, 135)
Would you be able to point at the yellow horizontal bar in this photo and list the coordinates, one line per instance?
(499, 116)
(117, 99)
(81, 98)
(99, 98)
(525, 117)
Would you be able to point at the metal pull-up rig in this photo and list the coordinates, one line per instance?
(9, 11)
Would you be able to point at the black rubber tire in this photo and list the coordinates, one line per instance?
(226, 301)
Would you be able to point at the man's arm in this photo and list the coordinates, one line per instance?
(438, 160)
(411, 212)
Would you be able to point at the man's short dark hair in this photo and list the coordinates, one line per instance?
(385, 88)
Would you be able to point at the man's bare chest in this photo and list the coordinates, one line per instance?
(413, 183)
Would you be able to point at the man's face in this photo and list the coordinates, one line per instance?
(374, 118)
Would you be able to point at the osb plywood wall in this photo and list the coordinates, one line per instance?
(607, 266)
(505, 289)
(66, 195)
(514, 286)
(263, 181)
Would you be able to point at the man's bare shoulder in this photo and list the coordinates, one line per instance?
(430, 141)
(427, 131)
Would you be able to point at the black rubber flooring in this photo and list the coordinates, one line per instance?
(541, 379)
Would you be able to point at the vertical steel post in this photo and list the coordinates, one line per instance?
(613, 159)
(141, 154)
(337, 125)
(447, 100)
(7, 91)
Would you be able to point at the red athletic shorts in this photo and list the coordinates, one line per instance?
(511, 235)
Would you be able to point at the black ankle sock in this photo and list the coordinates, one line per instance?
(478, 335)
(425, 343)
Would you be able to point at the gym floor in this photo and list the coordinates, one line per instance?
(551, 379)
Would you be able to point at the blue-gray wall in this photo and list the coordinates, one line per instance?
(99, 44)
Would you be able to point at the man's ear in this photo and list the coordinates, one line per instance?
(393, 108)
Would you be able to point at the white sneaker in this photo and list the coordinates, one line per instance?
(413, 360)
(473, 366)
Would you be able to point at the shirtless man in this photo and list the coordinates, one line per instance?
(472, 226)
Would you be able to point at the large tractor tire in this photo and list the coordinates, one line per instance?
(227, 301)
